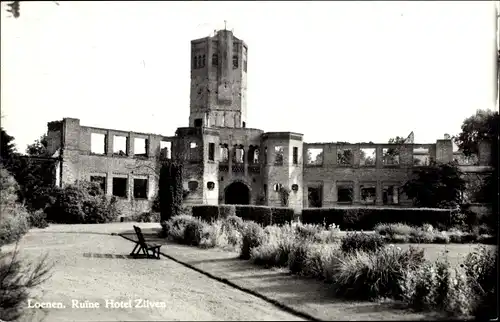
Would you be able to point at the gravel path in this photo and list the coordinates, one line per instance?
(83, 273)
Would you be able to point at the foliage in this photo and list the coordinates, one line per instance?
(436, 186)
(226, 211)
(39, 147)
(377, 274)
(281, 215)
(148, 216)
(366, 218)
(13, 215)
(206, 212)
(170, 189)
(284, 196)
(79, 203)
(7, 148)
(361, 242)
(38, 219)
(253, 236)
(16, 279)
(483, 126)
(258, 214)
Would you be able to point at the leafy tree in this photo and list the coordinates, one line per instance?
(170, 189)
(436, 186)
(482, 126)
(38, 148)
(8, 148)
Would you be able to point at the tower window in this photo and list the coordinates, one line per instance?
(195, 62)
(235, 61)
(203, 61)
(215, 60)
(198, 122)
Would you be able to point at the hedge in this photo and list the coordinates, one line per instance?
(365, 218)
(262, 215)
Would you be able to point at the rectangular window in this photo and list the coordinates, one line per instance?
(367, 157)
(368, 193)
(141, 147)
(120, 187)
(120, 145)
(165, 150)
(101, 181)
(390, 156)
(224, 153)
(421, 157)
(344, 156)
(314, 197)
(345, 192)
(140, 188)
(97, 143)
(278, 155)
(314, 156)
(391, 195)
(211, 151)
(295, 155)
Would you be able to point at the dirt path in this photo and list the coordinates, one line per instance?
(83, 272)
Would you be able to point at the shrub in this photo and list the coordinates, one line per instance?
(226, 211)
(361, 242)
(81, 203)
(253, 236)
(318, 258)
(37, 219)
(441, 238)
(171, 192)
(394, 229)
(208, 213)
(13, 224)
(259, 214)
(235, 223)
(276, 246)
(363, 275)
(398, 239)
(16, 279)
(421, 237)
(281, 215)
(147, 217)
(194, 233)
(307, 231)
(175, 227)
(366, 218)
(297, 258)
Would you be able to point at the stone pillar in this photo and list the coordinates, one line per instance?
(484, 153)
(379, 156)
(379, 193)
(130, 144)
(356, 192)
(444, 151)
(109, 143)
(230, 151)
(245, 160)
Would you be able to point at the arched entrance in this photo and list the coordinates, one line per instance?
(237, 193)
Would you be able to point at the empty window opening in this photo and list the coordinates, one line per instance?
(141, 147)
(390, 156)
(367, 157)
(211, 151)
(120, 145)
(120, 187)
(253, 154)
(253, 180)
(265, 192)
(193, 145)
(390, 195)
(195, 62)
(239, 154)
(244, 124)
(235, 61)
(295, 155)
(192, 185)
(277, 187)
(314, 197)
(101, 181)
(221, 178)
(421, 157)
(265, 155)
(295, 187)
(215, 60)
(210, 185)
(314, 156)
(97, 143)
(345, 192)
(278, 155)
(344, 156)
(198, 122)
(140, 188)
(165, 150)
(203, 61)
(368, 193)
(224, 153)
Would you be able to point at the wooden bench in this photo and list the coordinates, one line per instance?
(141, 245)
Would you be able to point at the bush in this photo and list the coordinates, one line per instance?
(207, 213)
(175, 227)
(81, 203)
(37, 219)
(16, 280)
(394, 229)
(253, 236)
(421, 237)
(361, 242)
(147, 217)
(365, 218)
(259, 214)
(275, 248)
(281, 215)
(376, 274)
(13, 224)
(226, 211)
(318, 258)
(235, 223)
(441, 238)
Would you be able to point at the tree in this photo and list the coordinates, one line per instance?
(170, 190)
(8, 148)
(436, 186)
(482, 126)
(14, 8)
(38, 148)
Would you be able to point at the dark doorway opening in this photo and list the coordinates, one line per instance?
(198, 122)
(237, 193)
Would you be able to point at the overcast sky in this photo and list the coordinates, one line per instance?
(334, 71)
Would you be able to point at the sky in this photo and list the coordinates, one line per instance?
(333, 71)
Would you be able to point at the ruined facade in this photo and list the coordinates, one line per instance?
(226, 162)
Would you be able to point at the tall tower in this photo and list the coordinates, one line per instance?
(218, 81)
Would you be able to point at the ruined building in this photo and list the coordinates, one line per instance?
(227, 162)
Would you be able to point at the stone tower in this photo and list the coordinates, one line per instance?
(218, 81)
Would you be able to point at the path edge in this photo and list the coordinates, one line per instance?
(225, 281)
